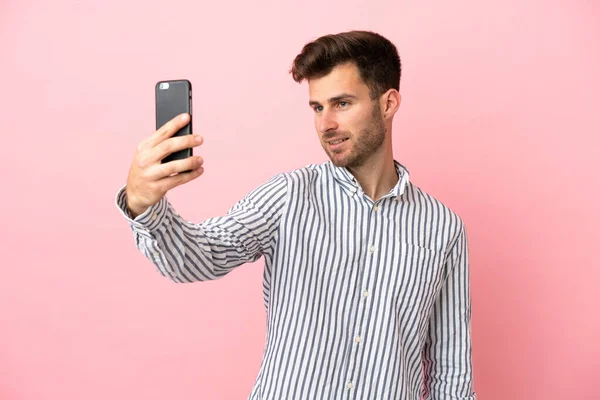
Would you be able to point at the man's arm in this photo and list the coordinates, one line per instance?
(447, 353)
(186, 252)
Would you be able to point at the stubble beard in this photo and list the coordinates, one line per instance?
(368, 143)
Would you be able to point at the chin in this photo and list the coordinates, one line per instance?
(339, 163)
(342, 162)
(345, 159)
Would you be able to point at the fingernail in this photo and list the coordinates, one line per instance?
(198, 138)
(183, 117)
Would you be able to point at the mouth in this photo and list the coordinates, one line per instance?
(337, 141)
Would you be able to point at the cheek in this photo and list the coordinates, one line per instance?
(354, 122)
(316, 124)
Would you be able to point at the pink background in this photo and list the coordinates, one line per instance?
(500, 120)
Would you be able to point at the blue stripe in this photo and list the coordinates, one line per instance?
(344, 319)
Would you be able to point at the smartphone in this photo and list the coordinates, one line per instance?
(174, 97)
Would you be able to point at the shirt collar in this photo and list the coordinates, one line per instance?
(343, 176)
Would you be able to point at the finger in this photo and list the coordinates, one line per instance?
(169, 129)
(174, 144)
(161, 171)
(173, 181)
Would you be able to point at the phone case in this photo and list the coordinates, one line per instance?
(174, 97)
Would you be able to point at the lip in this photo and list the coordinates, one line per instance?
(336, 146)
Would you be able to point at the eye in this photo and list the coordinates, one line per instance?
(318, 108)
(343, 104)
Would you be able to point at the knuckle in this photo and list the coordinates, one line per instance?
(178, 143)
(166, 147)
(171, 168)
(140, 163)
(184, 178)
(142, 160)
(173, 125)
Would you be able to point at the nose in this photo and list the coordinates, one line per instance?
(326, 121)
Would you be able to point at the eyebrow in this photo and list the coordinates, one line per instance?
(334, 99)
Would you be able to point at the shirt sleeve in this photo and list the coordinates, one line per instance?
(447, 352)
(187, 252)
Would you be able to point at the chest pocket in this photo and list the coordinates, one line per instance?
(419, 277)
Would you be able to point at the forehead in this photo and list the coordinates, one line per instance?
(342, 79)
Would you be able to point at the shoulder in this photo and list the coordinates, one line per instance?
(293, 180)
(305, 175)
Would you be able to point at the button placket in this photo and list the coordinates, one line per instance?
(358, 348)
(356, 340)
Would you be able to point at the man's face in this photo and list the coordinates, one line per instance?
(348, 121)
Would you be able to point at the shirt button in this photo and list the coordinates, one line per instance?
(153, 216)
(155, 254)
(349, 385)
(375, 208)
(366, 293)
(358, 339)
(372, 249)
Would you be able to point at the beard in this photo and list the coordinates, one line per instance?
(363, 145)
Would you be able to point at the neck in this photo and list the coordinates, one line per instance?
(378, 175)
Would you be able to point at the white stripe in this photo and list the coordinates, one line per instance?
(361, 304)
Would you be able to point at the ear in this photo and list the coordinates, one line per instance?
(389, 103)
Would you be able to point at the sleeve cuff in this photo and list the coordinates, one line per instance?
(148, 221)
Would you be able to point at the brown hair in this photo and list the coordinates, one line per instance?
(375, 56)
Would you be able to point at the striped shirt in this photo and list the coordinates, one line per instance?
(364, 300)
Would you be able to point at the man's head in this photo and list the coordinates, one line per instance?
(353, 79)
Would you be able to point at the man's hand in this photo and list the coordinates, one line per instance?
(149, 180)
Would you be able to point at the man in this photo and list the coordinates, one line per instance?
(366, 282)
